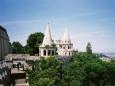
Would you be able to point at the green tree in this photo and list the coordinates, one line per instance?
(84, 69)
(89, 48)
(17, 48)
(33, 42)
(100, 74)
(28, 49)
(47, 72)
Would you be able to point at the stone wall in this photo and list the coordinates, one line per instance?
(5, 73)
(5, 47)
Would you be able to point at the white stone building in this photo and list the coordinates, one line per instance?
(63, 47)
(47, 48)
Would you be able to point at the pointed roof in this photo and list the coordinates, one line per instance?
(47, 38)
(66, 37)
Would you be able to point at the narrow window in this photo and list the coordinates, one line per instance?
(44, 52)
(49, 52)
(52, 52)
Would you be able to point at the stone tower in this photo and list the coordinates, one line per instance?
(47, 48)
(65, 46)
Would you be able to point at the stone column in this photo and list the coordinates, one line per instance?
(6, 46)
(2, 51)
(54, 51)
(0, 46)
(9, 47)
(41, 52)
(3, 45)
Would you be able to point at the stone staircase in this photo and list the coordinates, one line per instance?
(21, 82)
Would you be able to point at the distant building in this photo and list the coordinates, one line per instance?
(105, 58)
(5, 47)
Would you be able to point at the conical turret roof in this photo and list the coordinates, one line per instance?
(47, 38)
(66, 38)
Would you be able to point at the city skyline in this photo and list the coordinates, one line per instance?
(87, 21)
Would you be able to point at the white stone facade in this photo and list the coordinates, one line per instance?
(63, 46)
(47, 48)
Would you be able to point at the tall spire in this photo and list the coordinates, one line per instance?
(47, 38)
(66, 38)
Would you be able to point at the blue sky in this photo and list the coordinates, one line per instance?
(87, 20)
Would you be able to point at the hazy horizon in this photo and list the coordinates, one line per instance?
(87, 21)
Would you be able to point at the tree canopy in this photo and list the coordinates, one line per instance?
(83, 69)
(32, 46)
(46, 73)
(17, 48)
(33, 42)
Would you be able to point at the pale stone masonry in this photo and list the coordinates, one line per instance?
(63, 47)
(5, 73)
(5, 47)
(47, 48)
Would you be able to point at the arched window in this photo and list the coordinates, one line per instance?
(69, 47)
(69, 53)
(49, 52)
(44, 52)
(65, 53)
(52, 52)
